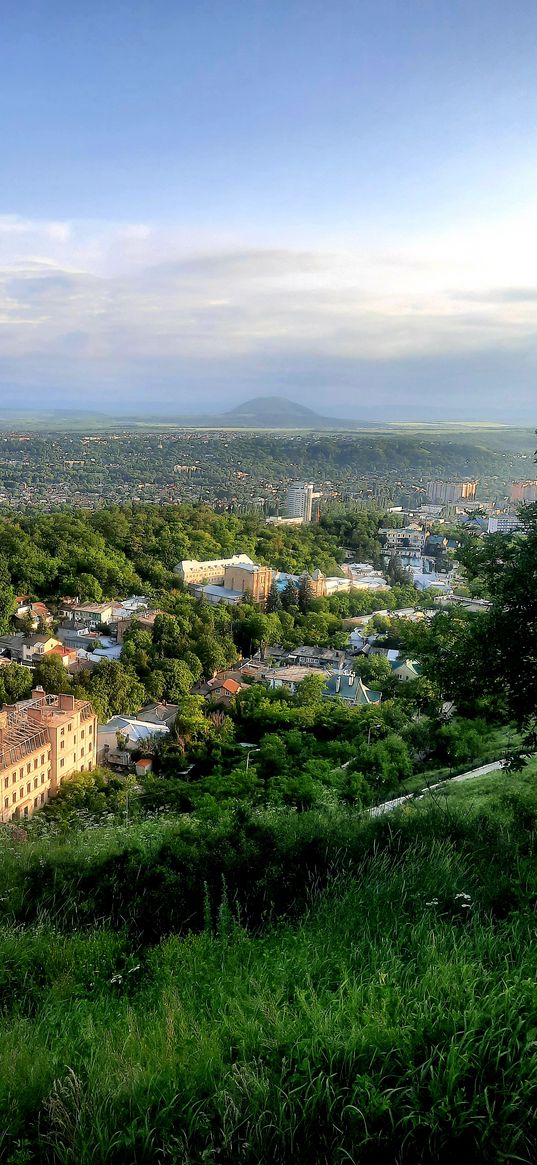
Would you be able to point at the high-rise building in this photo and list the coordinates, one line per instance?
(43, 741)
(446, 492)
(300, 500)
(524, 491)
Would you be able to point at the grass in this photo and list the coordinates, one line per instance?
(492, 790)
(390, 1019)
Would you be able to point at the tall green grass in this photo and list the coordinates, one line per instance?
(389, 1014)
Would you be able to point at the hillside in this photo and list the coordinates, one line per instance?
(354, 992)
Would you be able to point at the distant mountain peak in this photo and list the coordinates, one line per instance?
(274, 412)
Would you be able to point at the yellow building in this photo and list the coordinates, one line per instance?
(43, 741)
(249, 579)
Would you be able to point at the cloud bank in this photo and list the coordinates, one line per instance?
(135, 317)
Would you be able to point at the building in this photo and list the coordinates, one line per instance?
(249, 579)
(242, 580)
(524, 491)
(503, 524)
(447, 492)
(404, 540)
(211, 570)
(88, 614)
(43, 741)
(123, 735)
(300, 500)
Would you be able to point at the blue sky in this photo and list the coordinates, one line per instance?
(203, 201)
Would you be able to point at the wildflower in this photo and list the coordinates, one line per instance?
(433, 902)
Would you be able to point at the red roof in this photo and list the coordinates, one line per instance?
(231, 686)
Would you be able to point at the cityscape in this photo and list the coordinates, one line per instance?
(268, 583)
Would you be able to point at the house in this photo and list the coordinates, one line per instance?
(223, 691)
(67, 655)
(36, 612)
(11, 646)
(123, 735)
(87, 614)
(36, 646)
(243, 580)
(287, 677)
(159, 714)
(406, 669)
(316, 657)
(349, 687)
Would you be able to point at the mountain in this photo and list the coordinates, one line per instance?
(273, 412)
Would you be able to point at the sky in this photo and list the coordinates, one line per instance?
(202, 201)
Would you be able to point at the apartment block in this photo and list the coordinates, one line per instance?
(448, 492)
(43, 741)
(524, 491)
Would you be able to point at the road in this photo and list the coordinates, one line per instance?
(389, 806)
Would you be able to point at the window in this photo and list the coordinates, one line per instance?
(42, 778)
(6, 782)
(6, 802)
(90, 729)
(42, 758)
(42, 798)
(82, 768)
(90, 766)
(82, 751)
(62, 731)
(81, 733)
(75, 738)
(29, 787)
(62, 743)
(14, 778)
(90, 747)
(69, 727)
(25, 810)
(62, 762)
(28, 768)
(36, 802)
(14, 797)
(35, 782)
(21, 774)
(36, 762)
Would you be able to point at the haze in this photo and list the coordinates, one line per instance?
(206, 202)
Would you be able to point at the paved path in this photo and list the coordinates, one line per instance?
(389, 806)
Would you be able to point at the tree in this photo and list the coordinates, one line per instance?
(113, 690)
(52, 675)
(309, 693)
(7, 599)
(274, 602)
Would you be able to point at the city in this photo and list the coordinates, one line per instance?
(268, 583)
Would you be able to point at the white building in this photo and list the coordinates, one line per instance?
(503, 524)
(300, 500)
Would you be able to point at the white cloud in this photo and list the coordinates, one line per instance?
(124, 293)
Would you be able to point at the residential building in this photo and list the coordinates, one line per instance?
(447, 492)
(212, 570)
(123, 735)
(159, 714)
(404, 541)
(324, 657)
(405, 669)
(350, 687)
(524, 491)
(88, 614)
(43, 741)
(300, 500)
(503, 524)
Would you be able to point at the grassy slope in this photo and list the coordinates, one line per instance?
(391, 1021)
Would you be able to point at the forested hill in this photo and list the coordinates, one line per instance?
(121, 549)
